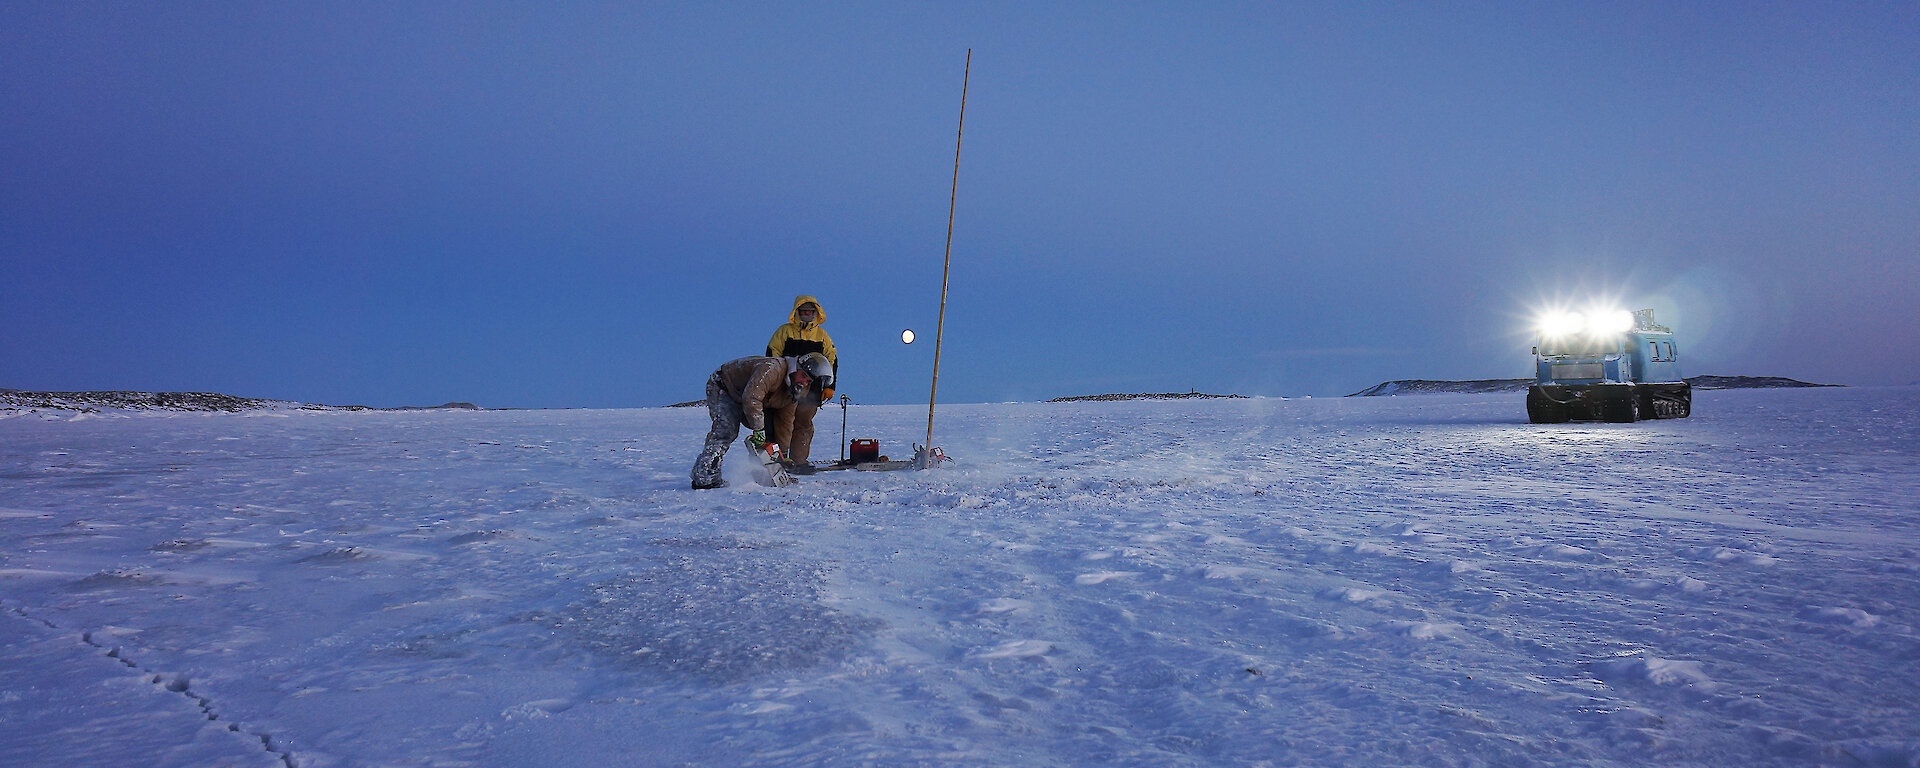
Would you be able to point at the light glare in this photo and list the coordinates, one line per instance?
(1609, 323)
(1558, 324)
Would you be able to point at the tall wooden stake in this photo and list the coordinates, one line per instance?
(939, 330)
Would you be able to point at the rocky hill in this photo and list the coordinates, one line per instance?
(1426, 387)
(14, 399)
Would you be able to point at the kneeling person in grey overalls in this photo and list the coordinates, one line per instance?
(742, 392)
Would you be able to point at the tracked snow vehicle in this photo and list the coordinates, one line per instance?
(1606, 366)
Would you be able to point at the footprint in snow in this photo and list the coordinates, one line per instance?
(181, 545)
(1014, 649)
(338, 555)
(1642, 585)
(1649, 585)
(1457, 567)
(1422, 630)
(479, 536)
(1557, 551)
(1000, 605)
(535, 710)
(119, 578)
(1418, 533)
(1730, 555)
(1652, 670)
(597, 521)
(1222, 572)
(1853, 617)
(759, 708)
(1363, 549)
(1351, 594)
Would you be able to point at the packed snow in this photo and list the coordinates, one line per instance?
(1359, 581)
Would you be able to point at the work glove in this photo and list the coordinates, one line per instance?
(757, 440)
(826, 395)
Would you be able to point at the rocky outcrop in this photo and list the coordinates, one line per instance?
(141, 401)
(93, 402)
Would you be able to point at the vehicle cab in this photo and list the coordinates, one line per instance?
(1608, 365)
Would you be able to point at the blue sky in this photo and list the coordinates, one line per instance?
(594, 205)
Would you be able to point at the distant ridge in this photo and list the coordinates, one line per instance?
(145, 401)
(1158, 396)
(93, 402)
(1426, 387)
(1750, 382)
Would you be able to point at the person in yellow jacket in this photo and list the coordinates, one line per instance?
(792, 427)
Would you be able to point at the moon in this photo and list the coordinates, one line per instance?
(906, 336)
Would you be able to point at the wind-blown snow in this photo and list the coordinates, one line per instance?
(1391, 581)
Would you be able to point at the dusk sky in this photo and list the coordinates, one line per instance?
(596, 204)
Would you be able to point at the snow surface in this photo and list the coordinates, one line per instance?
(1359, 581)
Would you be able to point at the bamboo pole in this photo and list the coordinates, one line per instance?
(939, 329)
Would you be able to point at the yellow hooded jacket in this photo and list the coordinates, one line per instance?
(796, 338)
